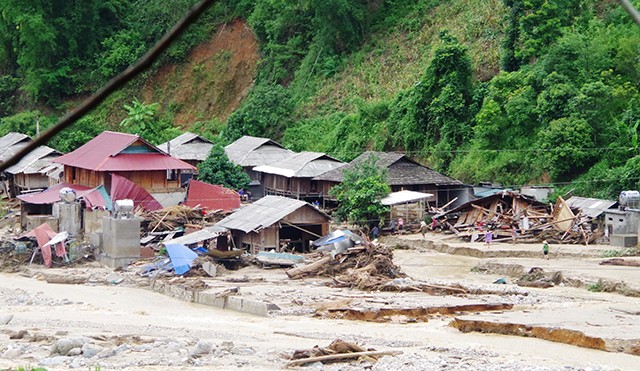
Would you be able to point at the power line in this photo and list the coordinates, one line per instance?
(114, 84)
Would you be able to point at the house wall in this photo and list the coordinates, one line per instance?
(292, 187)
(153, 181)
(24, 182)
(265, 239)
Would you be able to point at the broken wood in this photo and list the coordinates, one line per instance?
(299, 272)
(335, 357)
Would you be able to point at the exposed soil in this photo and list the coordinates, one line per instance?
(218, 75)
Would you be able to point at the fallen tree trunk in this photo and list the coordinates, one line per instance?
(299, 272)
(334, 357)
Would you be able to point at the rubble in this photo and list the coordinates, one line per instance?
(513, 217)
(336, 351)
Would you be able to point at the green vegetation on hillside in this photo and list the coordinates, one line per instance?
(512, 91)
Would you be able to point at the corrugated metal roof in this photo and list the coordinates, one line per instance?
(401, 170)
(592, 207)
(263, 213)
(301, 165)
(11, 143)
(402, 197)
(105, 153)
(212, 197)
(188, 146)
(33, 156)
(198, 236)
(255, 151)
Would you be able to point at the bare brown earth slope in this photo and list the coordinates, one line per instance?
(217, 76)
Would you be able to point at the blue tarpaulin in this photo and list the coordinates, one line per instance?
(181, 257)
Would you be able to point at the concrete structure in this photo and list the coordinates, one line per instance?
(120, 241)
(622, 227)
(69, 217)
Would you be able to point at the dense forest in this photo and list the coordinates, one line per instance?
(518, 92)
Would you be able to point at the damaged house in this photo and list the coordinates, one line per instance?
(250, 152)
(404, 174)
(277, 223)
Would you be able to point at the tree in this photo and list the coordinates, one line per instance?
(142, 119)
(360, 192)
(217, 169)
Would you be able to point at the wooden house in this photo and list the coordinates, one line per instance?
(188, 147)
(35, 171)
(128, 156)
(250, 152)
(404, 174)
(295, 176)
(278, 223)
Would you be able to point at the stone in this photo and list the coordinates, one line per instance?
(12, 353)
(75, 352)
(209, 269)
(147, 252)
(114, 279)
(201, 348)
(62, 333)
(5, 318)
(106, 353)
(63, 346)
(53, 361)
(226, 346)
(91, 350)
(18, 335)
(243, 351)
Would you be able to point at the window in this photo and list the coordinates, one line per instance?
(172, 174)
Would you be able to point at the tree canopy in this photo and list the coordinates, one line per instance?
(217, 169)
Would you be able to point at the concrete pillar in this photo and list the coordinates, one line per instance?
(120, 241)
(69, 217)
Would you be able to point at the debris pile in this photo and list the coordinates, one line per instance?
(351, 260)
(338, 350)
(510, 216)
(173, 217)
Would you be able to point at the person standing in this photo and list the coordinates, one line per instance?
(545, 249)
(400, 224)
(488, 237)
(375, 232)
(423, 228)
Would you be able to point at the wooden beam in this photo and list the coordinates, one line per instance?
(333, 357)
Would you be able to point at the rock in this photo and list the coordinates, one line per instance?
(226, 346)
(122, 348)
(107, 353)
(90, 350)
(5, 318)
(12, 353)
(209, 268)
(74, 352)
(53, 361)
(62, 333)
(63, 346)
(114, 279)
(201, 348)
(18, 335)
(147, 252)
(142, 348)
(243, 351)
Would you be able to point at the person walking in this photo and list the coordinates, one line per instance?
(545, 249)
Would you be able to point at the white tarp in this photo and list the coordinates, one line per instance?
(403, 197)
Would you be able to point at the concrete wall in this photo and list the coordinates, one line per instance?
(69, 217)
(120, 241)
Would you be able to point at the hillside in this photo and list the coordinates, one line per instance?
(511, 91)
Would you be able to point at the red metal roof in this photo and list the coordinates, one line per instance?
(212, 197)
(105, 153)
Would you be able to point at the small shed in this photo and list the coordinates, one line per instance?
(409, 205)
(277, 223)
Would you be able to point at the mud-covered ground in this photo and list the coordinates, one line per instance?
(126, 325)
